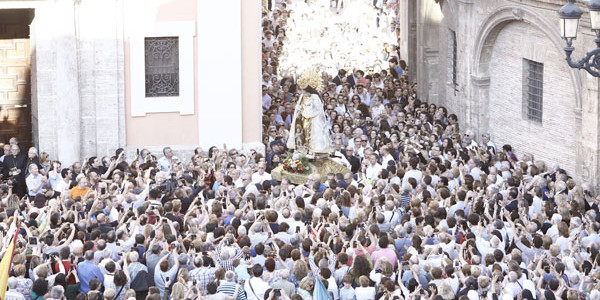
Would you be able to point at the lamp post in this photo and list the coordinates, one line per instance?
(569, 23)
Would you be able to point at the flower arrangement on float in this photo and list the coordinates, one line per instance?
(296, 163)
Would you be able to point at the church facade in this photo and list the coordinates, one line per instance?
(105, 74)
(499, 65)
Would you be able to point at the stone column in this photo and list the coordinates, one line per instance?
(588, 127)
(481, 94)
(100, 50)
(412, 10)
(251, 76)
(403, 16)
(57, 109)
(476, 85)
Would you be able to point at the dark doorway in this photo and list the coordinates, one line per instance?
(15, 76)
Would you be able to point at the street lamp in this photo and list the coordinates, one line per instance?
(569, 21)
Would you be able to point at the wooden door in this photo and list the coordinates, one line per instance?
(15, 91)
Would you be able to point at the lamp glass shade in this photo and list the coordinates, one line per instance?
(595, 19)
(594, 7)
(568, 28)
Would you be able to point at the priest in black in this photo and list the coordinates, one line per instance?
(14, 168)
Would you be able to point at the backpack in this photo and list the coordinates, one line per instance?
(142, 281)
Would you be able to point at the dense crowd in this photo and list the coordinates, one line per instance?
(426, 212)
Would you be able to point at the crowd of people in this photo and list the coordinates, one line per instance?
(427, 211)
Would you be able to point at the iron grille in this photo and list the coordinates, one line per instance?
(454, 57)
(534, 87)
(162, 66)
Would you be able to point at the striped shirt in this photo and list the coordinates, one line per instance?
(405, 199)
(228, 288)
(227, 264)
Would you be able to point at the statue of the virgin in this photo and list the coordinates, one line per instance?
(309, 132)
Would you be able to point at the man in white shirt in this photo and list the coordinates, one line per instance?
(373, 169)
(468, 140)
(485, 140)
(386, 156)
(260, 175)
(377, 108)
(35, 182)
(390, 215)
(413, 172)
(338, 156)
(256, 287)
(63, 185)
(269, 39)
(54, 176)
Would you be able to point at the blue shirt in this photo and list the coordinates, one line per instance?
(164, 164)
(87, 271)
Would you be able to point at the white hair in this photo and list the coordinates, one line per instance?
(242, 230)
(57, 292)
(556, 218)
(107, 253)
(12, 283)
(134, 256)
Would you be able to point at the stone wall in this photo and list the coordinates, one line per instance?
(493, 37)
(553, 139)
(77, 78)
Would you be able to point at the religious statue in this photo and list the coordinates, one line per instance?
(310, 132)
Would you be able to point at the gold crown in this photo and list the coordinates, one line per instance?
(310, 78)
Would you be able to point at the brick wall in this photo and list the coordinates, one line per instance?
(554, 140)
(493, 38)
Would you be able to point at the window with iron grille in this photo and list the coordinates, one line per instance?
(533, 90)
(162, 66)
(454, 56)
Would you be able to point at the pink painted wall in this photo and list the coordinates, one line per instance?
(157, 129)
